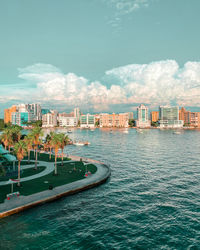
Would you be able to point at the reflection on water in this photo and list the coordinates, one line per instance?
(150, 202)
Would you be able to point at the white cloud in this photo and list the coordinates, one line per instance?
(156, 83)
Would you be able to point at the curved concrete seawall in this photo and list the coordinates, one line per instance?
(24, 202)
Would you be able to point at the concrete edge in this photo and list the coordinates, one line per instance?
(60, 195)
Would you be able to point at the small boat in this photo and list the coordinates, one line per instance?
(69, 131)
(177, 132)
(139, 131)
(80, 143)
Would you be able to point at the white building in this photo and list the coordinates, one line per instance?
(169, 117)
(67, 121)
(142, 117)
(77, 113)
(87, 121)
(50, 119)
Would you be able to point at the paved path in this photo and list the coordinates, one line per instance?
(23, 202)
(49, 167)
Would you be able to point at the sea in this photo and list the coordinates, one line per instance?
(151, 201)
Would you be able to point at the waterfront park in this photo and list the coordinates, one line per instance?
(34, 168)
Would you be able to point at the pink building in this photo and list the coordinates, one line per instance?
(114, 120)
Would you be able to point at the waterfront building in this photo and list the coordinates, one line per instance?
(87, 121)
(8, 114)
(169, 117)
(67, 121)
(190, 119)
(50, 119)
(142, 117)
(184, 115)
(114, 120)
(77, 113)
(22, 113)
(21, 118)
(35, 110)
(154, 116)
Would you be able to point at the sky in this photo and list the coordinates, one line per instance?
(100, 55)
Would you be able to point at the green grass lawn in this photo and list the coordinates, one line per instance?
(66, 174)
(45, 157)
(24, 173)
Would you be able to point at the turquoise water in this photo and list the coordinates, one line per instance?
(152, 200)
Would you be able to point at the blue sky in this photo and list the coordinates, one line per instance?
(104, 55)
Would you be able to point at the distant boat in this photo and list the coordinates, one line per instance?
(139, 131)
(177, 132)
(69, 131)
(79, 143)
(125, 131)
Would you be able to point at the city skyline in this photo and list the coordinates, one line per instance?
(101, 55)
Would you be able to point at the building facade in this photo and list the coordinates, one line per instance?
(87, 121)
(77, 113)
(169, 117)
(114, 120)
(8, 114)
(154, 116)
(190, 119)
(50, 119)
(142, 117)
(67, 121)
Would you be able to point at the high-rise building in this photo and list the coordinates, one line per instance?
(50, 119)
(169, 117)
(87, 121)
(77, 113)
(142, 117)
(21, 118)
(35, 110)
(8, 114)
(190, 119)
(114, 120)
(154, 116)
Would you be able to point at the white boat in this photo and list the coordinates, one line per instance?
(69, 131)
(177, 132)
(80, 143)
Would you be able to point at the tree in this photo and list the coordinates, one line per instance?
(6, 138)
(64, 140)
(56, 143)
(36, 133)
(131, 123)
(29, 144)
(16, 133)
(48, 143)
(20, 151)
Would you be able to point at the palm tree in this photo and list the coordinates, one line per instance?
(29, 144)
(16, 131)
(6, 137)
(49, 142)
(20, 151)
(64, 140)
(36, 134)
(56, 143)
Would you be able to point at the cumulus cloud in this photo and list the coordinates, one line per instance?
(156, 83)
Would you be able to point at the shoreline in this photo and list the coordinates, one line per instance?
(25, 202)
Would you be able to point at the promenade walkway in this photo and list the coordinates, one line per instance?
(49, 167)
(24, 202)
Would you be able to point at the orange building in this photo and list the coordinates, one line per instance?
(114, 120)
(191, 119)
(8, 114)
(154, 116)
